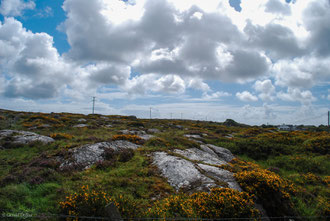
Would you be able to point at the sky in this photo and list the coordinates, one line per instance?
(254, 61)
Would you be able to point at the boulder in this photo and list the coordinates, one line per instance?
(221, 175)
(153, 131)
(24, 137)
(222, 153)
(87, 155)
(81, 120)
(195, 154)
(181, 173)
(194, 136)
(80, 125)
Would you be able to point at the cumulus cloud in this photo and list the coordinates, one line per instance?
(171, 46)
(302, 72)
(167, 38)
(246, 96)
(15, 7)
(316, 20)
(215, 95)
(266, 89)
(297, 95)
(33, 67)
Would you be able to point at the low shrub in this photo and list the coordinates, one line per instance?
(219, 203)
(260, 149)
(86, 202)
(157, 142)
(90, 202)
(125, 155)
(60, 136)
(319, 145)
(132, 138)
(302, 163)
(272, 191)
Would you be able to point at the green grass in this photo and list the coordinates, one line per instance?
(294, 156)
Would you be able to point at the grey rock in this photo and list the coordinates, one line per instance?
(112, 212)
(223, 153)
(221, 175)
(108, 125)
(139, 133)
(89, 154)
(201, 156)
(146, 136)
(194, 136)
(153, 131)
(179, 172)
(81, 120)
(25, 137)
(80, 125)
(45, 126)
(208, 150)
(118, 145)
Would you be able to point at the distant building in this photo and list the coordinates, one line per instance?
(287, 127)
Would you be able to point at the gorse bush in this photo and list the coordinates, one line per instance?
(319, 145)
(219, 203)
(272, 191)
(60, 136)
(86, 202)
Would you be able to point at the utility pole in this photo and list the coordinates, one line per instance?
(171, 116)
(181, 116)
(93, 104)
(328, 118)
(150, 113)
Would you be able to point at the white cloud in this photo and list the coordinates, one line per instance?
(198, 84)
(215, 95)
(15, 7)
(32, 66)
(303, 72)
(295, 94)
(266, 89)
(246, 96)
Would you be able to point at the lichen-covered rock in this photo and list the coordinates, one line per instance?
(80, 125)
(87, 155)
(223, 153)
(24, 137)
(188, 169)
(153, 131)
(221, 175)
(194, 136)
(180, 173)
(201, 156)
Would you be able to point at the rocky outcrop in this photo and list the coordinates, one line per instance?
(87, 155)
(221, 152)
(24, 137)
(196, 169)
(195, 154)
(181, 173)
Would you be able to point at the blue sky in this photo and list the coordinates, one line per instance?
(255, 61)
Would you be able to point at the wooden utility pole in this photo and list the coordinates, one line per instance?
(150, 112)
(93, 104)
